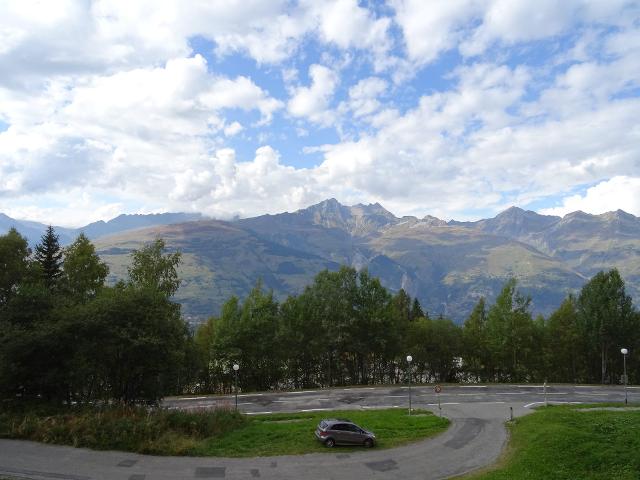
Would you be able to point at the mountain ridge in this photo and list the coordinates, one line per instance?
(448, 266)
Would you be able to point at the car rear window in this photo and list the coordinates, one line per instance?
(323, 424)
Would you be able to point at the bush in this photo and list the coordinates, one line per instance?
(136, 429)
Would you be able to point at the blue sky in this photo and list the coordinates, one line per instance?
(456, 109)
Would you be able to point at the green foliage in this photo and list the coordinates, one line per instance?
(475, 340)
(133, 341)
(152, 269)
(416, 310)
(563, 343)
(64, 336)
(14, 255)
(83, 273)
(565, 443)
(48, 255)
(134, 429)
(435, 344)
(607, 321)
(510, 331)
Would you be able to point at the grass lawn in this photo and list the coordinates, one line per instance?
(208, 433)
(562, 442)
(292, 433)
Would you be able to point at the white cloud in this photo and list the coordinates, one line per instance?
(363, 96)
(430, 28)
(130, 131)
(233, 129)
(224, 187)
(471, 26)
(106, 98)
(312, 102)
(621, 192)
(348, 25)
(515, 21)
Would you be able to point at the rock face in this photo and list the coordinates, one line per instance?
(447, 265)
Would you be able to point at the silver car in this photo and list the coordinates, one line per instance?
(332, 432)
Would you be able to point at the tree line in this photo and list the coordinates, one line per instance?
(67, 336)
(347, 329)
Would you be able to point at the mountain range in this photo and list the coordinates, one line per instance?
(448, 266)
(33, 231)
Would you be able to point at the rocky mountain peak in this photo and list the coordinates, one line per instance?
(619, 215)
(516, 223)
(358, 219)
(433, 221)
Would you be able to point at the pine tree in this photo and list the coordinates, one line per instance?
(416, 310)
(48, 254)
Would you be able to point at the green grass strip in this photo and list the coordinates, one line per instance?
(565, 443)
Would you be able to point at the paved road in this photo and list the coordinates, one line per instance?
(475, 439)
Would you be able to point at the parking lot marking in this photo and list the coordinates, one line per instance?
(554, 401)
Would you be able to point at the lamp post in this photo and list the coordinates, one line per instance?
(236, 367)
(624, 353)
(409, 359)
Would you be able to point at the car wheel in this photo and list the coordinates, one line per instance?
(329, 442)
(368, 443)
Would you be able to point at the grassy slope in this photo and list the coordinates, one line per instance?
(562, 443)
(292, 433)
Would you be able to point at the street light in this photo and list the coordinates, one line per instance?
(624, 353)
(236, 367)
(409, 359)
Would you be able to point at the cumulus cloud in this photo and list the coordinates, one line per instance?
(224, 187)
(128, 131)
(312, 102)
(363, 96)
(431, 28)
(514, 21)
(621, 192)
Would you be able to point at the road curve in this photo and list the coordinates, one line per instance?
(475, 438)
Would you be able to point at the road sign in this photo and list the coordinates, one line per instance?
(438, 389)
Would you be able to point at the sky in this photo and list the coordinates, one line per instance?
(236, 108)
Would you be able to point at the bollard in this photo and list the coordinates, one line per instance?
(511, 413)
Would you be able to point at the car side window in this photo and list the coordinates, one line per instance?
(352, 428)
(339, 426)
